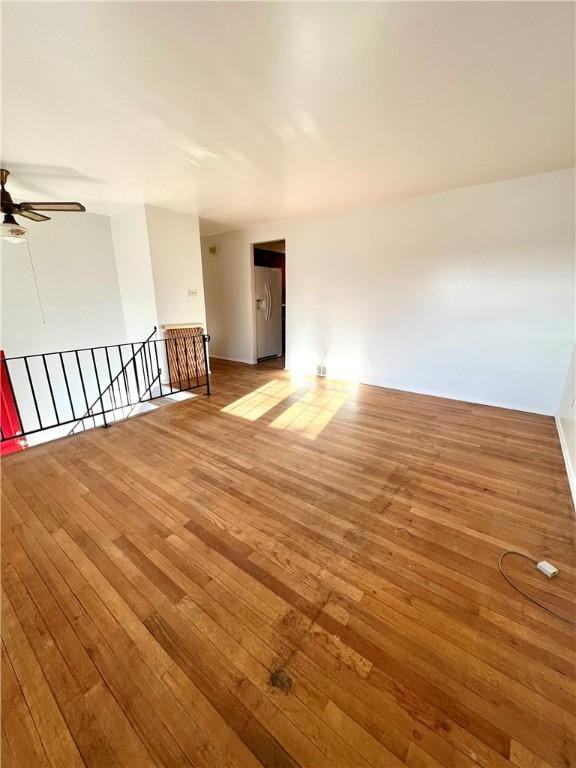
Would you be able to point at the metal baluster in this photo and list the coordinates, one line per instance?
(32, 389)
(145, 371)
(83, 389)
(111, 385)
(169, 367)
(67, 385)
(158, 366)
(123, 393)
(205, 340)
(103, 410)
(135, 374)
(153, 374)
(151, 367)
(51, 390)
(124, 375)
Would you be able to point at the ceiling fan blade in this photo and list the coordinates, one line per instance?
(32, 215)
(51, 207)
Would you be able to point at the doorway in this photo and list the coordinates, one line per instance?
(270, 298)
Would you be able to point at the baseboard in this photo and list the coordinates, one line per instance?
(567, 462)
(429, 393)
(373, 382)
(232, 359)
(456, 398)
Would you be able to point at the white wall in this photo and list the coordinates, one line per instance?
(228, 292)
(566, 423)
(158, 259)
(174, 240)
(466, 294)
(76, 269)
(74, 261)
(134, 266)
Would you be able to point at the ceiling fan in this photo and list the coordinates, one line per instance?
(10, 229)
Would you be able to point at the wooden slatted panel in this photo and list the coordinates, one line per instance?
(186, 357)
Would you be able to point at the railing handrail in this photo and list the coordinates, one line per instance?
(112, 381)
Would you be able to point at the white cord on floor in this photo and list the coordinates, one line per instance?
(522, 592)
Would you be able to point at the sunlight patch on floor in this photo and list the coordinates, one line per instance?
(312, 412)
(261, 400)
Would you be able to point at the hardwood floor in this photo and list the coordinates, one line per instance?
(289, 574)
(273, 362)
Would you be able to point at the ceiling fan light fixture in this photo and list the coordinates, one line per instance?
(11, 231)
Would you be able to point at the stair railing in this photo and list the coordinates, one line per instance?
(76, 389)
(121, 377)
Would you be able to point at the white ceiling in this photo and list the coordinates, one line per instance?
(249, 112)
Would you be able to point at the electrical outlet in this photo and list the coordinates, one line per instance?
(192, 292)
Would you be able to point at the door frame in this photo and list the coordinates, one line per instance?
(253, 246)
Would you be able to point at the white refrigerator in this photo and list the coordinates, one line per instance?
(268, 282)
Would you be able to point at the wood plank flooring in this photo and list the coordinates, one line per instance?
(289, 574)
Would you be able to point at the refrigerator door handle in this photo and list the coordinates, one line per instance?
(268, 301)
